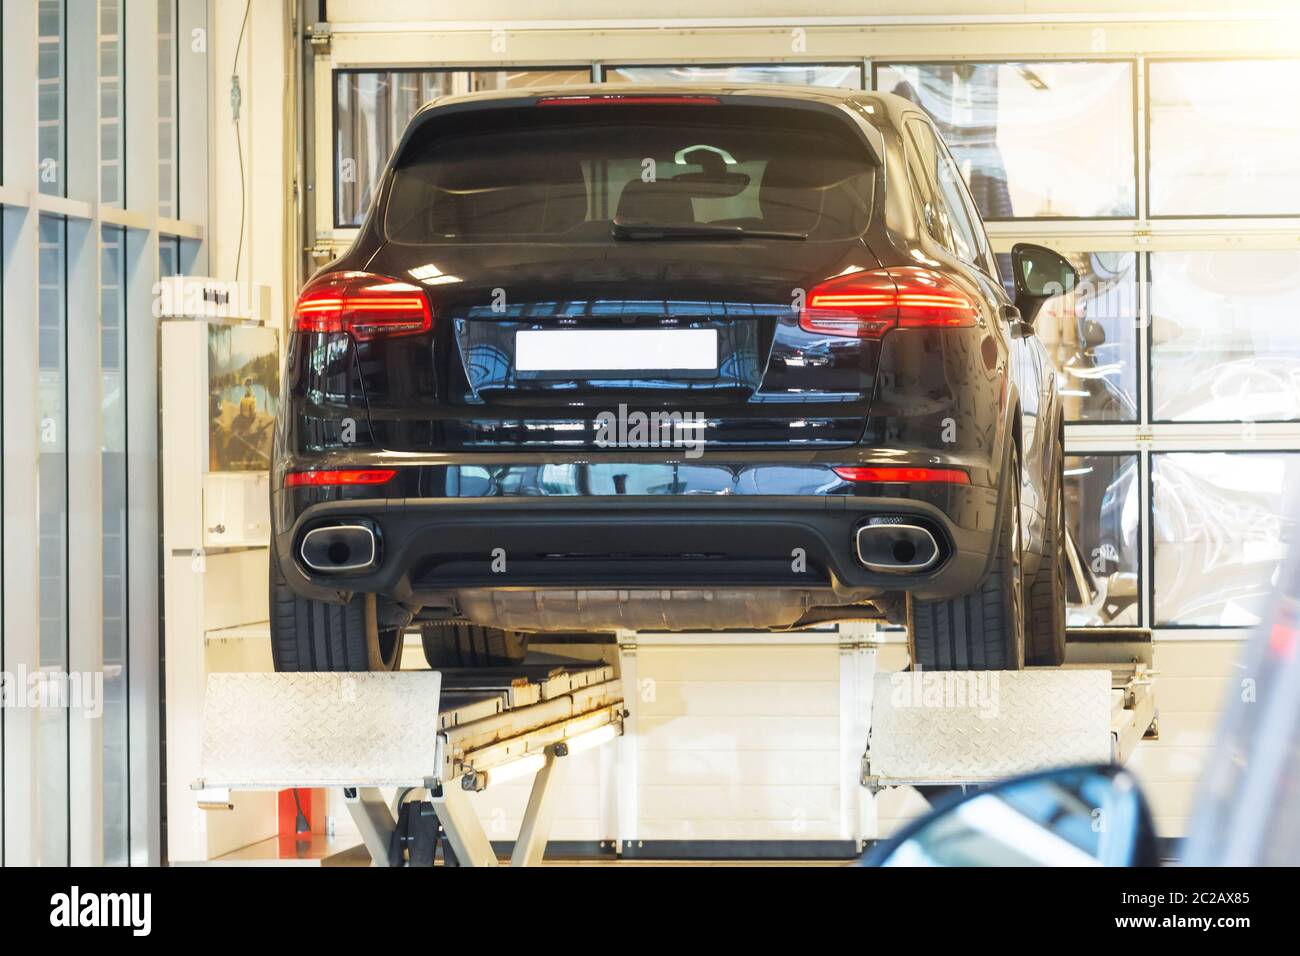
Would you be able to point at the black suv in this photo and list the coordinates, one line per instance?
(668, 358)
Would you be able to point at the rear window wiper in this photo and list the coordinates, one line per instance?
(647, 232)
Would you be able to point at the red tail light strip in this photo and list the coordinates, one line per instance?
(362, 304)
(868, 304)
(954, 476)
(358, 476)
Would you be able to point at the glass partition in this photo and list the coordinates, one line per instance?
(1103, 510)
(848, 76)
(1091, 335)
(1224, 339)
(1221, 529)
(1051, 140)
(112, 362)
(51, 115)
(112, 181)
(1224, 138)
(51, 424)
(168, 173)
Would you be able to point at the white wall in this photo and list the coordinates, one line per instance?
(266, 105)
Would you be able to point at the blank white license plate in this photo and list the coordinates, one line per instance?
(616, 350)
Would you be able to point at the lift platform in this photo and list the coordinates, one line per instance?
(957, 729)
(434, 737)
(441, 733)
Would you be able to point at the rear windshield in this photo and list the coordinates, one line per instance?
(565, 173)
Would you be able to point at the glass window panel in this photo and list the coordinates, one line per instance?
(169, 256)
(51, 126)
(1091, 335)
(167, 93)
(519, 79)
(1103, 512)
(1221, 143)
(111, 180)
(1222, 526)
(112, 329)
(373, 109)
(1225, 343)
(845, 76)
(1032, 139)
(937, 165)
(52, 533)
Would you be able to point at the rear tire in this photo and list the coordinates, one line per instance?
(469, 645)
(318, 636)
(1045, 629)
(983, 630)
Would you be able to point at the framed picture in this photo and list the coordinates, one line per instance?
(243, 397)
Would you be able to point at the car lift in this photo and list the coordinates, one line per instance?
(442, 732)
(459, 730)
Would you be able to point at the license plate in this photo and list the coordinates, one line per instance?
(616, 350)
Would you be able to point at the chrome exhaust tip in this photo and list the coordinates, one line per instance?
(339, 547)
(894, 544)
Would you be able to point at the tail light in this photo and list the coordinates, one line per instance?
(953, 476)
(866, 305)
(362, 304)
(353, 476)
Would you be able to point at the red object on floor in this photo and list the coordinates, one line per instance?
(313, 808)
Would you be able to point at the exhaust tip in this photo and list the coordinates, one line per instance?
(339, 547)
(894, 544)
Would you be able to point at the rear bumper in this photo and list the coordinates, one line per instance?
(428, 546)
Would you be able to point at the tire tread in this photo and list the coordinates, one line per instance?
(970, 632)
(315, 635)
(456, 644)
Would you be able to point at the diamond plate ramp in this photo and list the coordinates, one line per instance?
(272, 731)
(941, 727)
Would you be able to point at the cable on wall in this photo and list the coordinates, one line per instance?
(235, 99)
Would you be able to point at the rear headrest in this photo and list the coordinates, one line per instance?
(790, 195)
(566, 200)
(660, 202)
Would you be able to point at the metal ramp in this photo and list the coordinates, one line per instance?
(446, 733)
(938, 729)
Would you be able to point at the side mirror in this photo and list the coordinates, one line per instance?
(1079, 816)
(1040, 274)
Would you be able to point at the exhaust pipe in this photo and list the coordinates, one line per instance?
(339, 547)
(895, 544)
